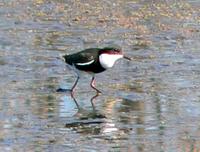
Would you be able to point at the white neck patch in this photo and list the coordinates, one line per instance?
(108, 60)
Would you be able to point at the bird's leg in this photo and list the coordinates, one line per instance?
(92, 84)
(92, 99)
(73, 87)
(71, 90)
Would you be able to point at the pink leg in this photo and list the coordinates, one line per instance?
(92, 84)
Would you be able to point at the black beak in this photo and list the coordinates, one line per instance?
(125, 57)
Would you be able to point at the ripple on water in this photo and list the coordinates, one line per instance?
(149, 104)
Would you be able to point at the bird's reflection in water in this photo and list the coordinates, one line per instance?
(86, 119)
(86, 114)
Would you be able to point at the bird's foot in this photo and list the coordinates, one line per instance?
(63, 90)
(99, 92)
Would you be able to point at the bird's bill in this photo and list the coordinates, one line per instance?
(125, 57)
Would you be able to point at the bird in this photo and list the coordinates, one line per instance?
(93, 61)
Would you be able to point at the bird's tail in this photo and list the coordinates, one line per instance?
(62, 57)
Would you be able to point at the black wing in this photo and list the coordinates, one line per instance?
(82, 58)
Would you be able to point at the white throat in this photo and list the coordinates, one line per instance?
(108, 60)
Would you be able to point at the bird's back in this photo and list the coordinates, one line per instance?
(82, 56)
(86, 60)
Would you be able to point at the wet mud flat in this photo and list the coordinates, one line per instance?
(149, 104)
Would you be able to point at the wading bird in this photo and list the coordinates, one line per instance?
(93, 60)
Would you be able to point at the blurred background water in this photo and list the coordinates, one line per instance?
(150, 104)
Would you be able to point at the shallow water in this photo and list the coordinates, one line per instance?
(149, 104)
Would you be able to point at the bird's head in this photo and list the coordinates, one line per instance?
(114, 51)
(109, 55)
(111, 51)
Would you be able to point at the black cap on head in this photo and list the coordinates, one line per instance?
(114, 50)
(111, 50)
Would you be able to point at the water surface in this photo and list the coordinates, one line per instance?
(149, 104)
